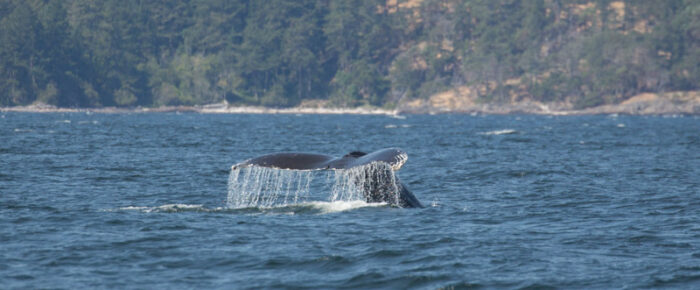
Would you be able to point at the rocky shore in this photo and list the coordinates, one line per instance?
(643, 104)
(207, 109)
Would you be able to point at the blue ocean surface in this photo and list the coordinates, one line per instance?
(142, 201)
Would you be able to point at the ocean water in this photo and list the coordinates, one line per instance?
(143, 201)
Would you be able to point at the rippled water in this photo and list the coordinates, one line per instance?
(140, 201)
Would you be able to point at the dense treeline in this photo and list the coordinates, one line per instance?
(280, 52)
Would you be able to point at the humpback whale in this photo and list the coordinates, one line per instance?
(377, 179)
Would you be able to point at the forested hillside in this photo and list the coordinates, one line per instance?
(91, 53)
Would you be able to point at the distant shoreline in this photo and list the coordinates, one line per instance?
(655, 107)
(207, 109)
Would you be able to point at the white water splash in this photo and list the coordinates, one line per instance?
(262, 190)
(315, 207)
(340, 206)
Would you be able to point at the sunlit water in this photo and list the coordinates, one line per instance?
(145, 201)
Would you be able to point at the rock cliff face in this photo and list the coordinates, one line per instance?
(464, 100)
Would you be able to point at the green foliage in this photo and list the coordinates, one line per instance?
(353, 53)
(183, 80)
(358, 84)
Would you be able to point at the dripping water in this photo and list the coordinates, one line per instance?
(265, 187)
(353, 183)
(256, 186)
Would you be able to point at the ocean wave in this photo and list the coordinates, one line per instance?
(500, 132)
(167, 208)
(392, 126)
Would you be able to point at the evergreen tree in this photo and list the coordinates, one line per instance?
(358, 52)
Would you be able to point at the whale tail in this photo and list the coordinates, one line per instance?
(372, 172)
(406, 197)
(378, 183)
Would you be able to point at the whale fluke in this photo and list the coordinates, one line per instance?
(379, 184)
(311, 161)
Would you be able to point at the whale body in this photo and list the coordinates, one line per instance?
(379, 184)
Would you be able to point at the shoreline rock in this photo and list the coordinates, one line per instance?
(640, 108)
(643, 104)
(206, 109)
(687, 103)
